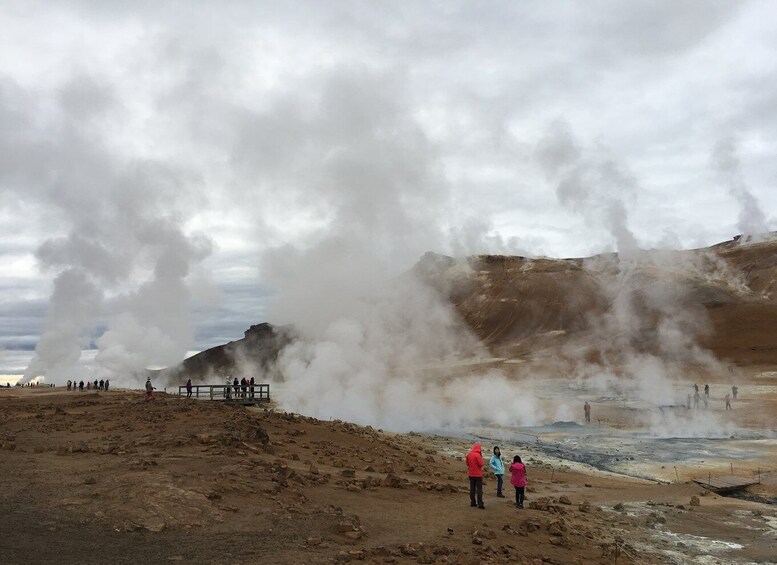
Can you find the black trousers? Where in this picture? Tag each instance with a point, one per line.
(519, 495)
(476, 487)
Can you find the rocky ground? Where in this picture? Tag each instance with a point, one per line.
(110, 478)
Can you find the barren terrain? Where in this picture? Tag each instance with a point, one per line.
(109, 478)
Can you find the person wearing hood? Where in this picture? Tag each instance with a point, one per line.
(475, 470)
(498, 466)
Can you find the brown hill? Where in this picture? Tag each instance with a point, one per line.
(721, 298)
(718, 299)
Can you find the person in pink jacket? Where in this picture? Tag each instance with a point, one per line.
(518, 479)
(475, 472)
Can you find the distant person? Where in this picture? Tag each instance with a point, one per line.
(88, 385)
(81, 386)
(695, 388)
(102, 384)
(587, 411)
(518, 479)
(728, 402)
(244, 386)
(696, 398)
(498, 466)
(227, 389)
(707, 391)
(252, 382)
(236, 386)
(149, 389)
(96, 383)
(68, 385)
(107, 384)
(734, 391)
(475, 471)
(189, 388)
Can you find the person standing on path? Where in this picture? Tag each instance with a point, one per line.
(587, 410)
(475, 470)
(149, 389)
(498, 467)
(189, 388)
(734, 391)
(518, 479)
(728, 402)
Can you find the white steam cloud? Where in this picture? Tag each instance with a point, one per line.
(752, 221)
(376, 346)
(647, 338)
(120, 273)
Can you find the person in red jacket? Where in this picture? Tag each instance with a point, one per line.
(475, 469)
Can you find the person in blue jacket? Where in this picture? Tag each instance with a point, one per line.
(498, 467)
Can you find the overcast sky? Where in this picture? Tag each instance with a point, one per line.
(160, 156)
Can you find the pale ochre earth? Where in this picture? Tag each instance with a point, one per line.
(109, 478)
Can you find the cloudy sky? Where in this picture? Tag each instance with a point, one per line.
(164, 167)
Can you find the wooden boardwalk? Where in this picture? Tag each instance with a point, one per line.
(727, 483)
(259, 392)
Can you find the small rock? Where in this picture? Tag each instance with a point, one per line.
(564, 500)
(695, 501)
(90, 481)
(392, 480)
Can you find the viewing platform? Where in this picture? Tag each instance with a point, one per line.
(250, 394)
(725, 484)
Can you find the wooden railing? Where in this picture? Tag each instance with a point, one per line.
(236, 393)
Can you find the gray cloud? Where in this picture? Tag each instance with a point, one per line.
(365, 134)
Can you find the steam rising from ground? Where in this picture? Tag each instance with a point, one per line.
(122, 270)
(370, 335)
(752, 221)
(333, 164)
(648, 337)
